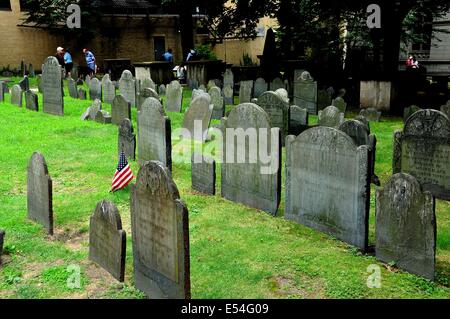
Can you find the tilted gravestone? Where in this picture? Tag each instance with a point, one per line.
(245, 91)
(405, 227)
(278, 111)
(103, 117)
(228, 95)
(72, 85)
(108, 90)
(217, 102)
(107, 239)
(276, 84)
(260, 87)
(198, 117)
(444, 109)
(323, 99)
(330, 116)
(39, 192)
(120, 109)
(371, 114)
(174, 97)
(247, 177)
(81, 94)
(31, 101)
(203, 174)
(2, 238)
(298, 120)
(144, 94)
(127, 139)
(160, 233)
(305, 92)
(95, 89)
(228, 78)
(127, 87)
(410, 110)
(340, 103)
(17, 95)
(52, 88)
(327, 184)
(154, 134)
(25, 84)
(423, 151)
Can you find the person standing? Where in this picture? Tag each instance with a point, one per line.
(60, 55)
(90, 61)
(68, 63)
(168, 56)
(191, 55)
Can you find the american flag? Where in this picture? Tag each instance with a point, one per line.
(123, 175)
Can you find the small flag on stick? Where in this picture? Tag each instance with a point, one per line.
(123, 175)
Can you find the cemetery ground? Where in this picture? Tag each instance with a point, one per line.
(235, 251)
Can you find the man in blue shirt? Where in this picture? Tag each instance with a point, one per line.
(90, 61)
(168, 56)
(68, 63)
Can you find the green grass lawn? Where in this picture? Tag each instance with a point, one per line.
(236, 251)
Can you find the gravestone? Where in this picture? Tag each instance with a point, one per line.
(444, 109)
(423, 151)
(276, 84)
(52, 87)
(217, 102)
(283, 94)
(127, 139)
(406, 226)
(193, 84)
(330, 116)
(91, 111)
(39, 192)
(371, 114)
(31, 71)
(298, 120)
(147, 83)
(327, 184)
(248, 178)
(2, 239)
(2, 91)
(323, 99)
(103, 117)
(162, 90)
(81, 94)
(202, 88)
(228, 95)
(108, 90)
(31, 101)
(127, 87)
(305, 92)
(228, 78)
(408, 111)
(160, 233)
(17, 95)
(120, 109)
(95, 89)
(25, 84)
(144, 94)
(260, 87)
(107, 239)
(203, 174)
(196, 93)
(174, 97)
(72, 85)
(245, 91)
(278, 111)
(87, 79)
(340, 104)
(154, 134)
(198, 117)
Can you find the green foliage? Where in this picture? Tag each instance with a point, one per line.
(204, 52)
(247, 60)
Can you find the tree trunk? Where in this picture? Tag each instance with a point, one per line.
(186, 27)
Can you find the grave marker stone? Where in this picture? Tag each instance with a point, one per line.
(2, 91)
(276, 84)
(31, 101)
(120, 109)
(199, 110)
(174, 97)
(103, 117)
(340, 104)
(52, 87)
(108, 89)
(16, 95)
(162, 90)
(245, 91)
(25, 84)
(203, 174)
(260, 87)
(228, 95)
(323, 99)
(298, 120)
(127, 139)
(277, 109)
(305, 92)
(95, 89)
(144, 94)
(408, 111)
(330, 116)
(228, 78)
(444, 109)
(81, 94)
(72, 85)
(127, 87)
(371, 114)
(217, 102)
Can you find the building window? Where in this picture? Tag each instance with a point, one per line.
(5, 5)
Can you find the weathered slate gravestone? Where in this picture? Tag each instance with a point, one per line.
(162, 90)
(120, 109)
(276, 84)
(17, 95)
(228, 95)
(25, 84)
(408, 111)
(260, 87)
(203, 174)
(330, 116)
(108, 90)
(247, 177)
(72, 85)
(147, 83)
(444, 109)
(127, 87)
(160, 233)
(406, 226)
(2, 238)
(198, 117)
(277, 109)
(154, 134)
(298, 120)
(423, 151)
(144, 94)
(340, 103)
(245, 91)
(305, 92)
(331, 194)
(39, 192)
(127, 139)
(217, 102)
(107, 239)
(95, 89)
(81, 94)
(323, 99)
(103, 117)
(196, 93)
(371, 114)
(228, 78)
(52, 87)
(174, 97)
(31, 101)
(2, 91)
